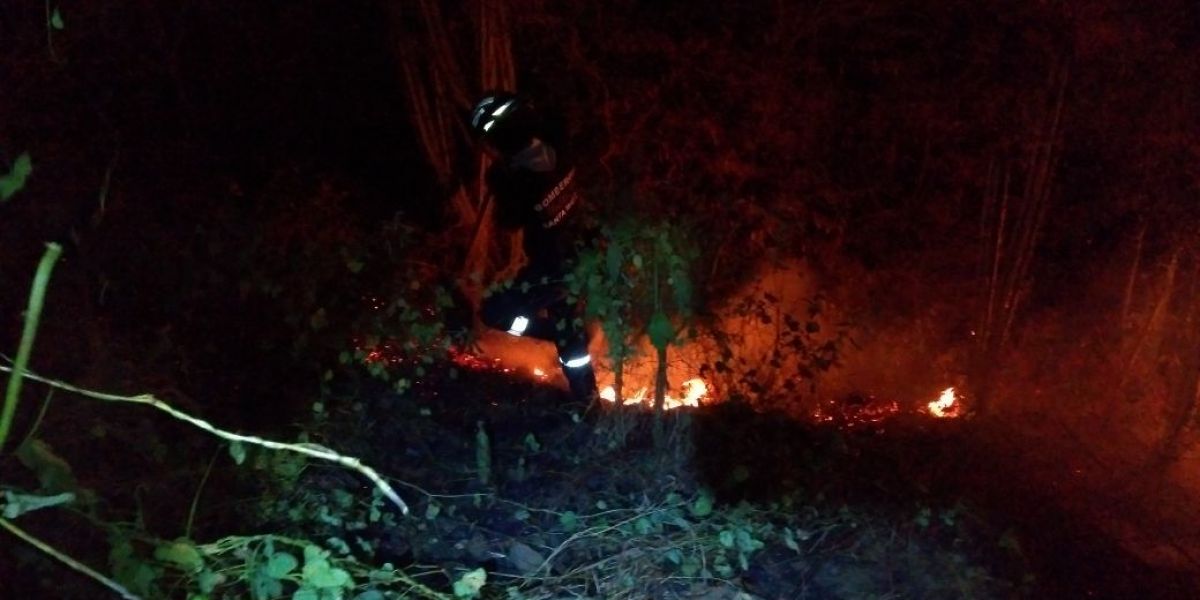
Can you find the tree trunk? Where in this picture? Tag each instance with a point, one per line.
(1016, 225)
(1131, 284)
(660, 395)
(439, 93)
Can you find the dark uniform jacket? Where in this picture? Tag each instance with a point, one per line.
(535, 191)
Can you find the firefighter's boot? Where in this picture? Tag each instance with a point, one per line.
(581, 377)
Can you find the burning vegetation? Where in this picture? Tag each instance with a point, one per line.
(947, 406)
(803, 220)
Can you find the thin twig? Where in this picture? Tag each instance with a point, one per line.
(1154, 322)
(997, 258)
(67, 560)
(432, 495)
(592, 532)
(191, 518)
(50, 32)
(106, 183)
(38, 421)
(1131, 284)
(313, 450)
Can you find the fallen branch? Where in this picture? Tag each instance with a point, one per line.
(67, 560)
(313, 450)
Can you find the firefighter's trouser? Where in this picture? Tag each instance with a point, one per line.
(537, 306)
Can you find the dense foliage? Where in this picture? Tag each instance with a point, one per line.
(252, 233)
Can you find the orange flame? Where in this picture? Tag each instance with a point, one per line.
(693, 390)
(946, 406)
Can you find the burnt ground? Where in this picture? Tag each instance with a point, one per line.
(584, 504)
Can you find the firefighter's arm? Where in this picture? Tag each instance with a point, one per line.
(505, 199)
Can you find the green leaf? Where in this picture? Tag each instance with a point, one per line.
(682, 286)
(265, 588)
(1009, 542)
(320, 574)
(746, 542)
(470, 583)
(140, 578)
(56, 20)
(702, 506)
(306, 594)
(789, 540)
(643, 526)
(569, 521)
(238, 451)
(314, 553)
(432, 511)
(923, 517)
(182, 554)
(725, 538)
(690, 567)
(722, 567)
(129, 569)
(53, 473)
(15, 179)
(531, 443)
(207, 581)
(613, 261)
(660, 330)
(370, 595)
(281, 564)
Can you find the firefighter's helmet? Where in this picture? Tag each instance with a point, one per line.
(504, 121)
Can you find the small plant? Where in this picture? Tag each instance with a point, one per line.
(143, 564)
(639, 282)
(794, 343)
(366, 302)
(13, 181)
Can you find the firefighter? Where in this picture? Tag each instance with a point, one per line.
(532, 184)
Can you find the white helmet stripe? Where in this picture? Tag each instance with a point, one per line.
(480, 109)
(519, 325)
(503, 108)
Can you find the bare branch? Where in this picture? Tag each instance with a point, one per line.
(313, 450)
(67, 560)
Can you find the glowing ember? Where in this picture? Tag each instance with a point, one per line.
(693, 391)
(539, 373)
(946, 406)
(473, 362)
(857, 410)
